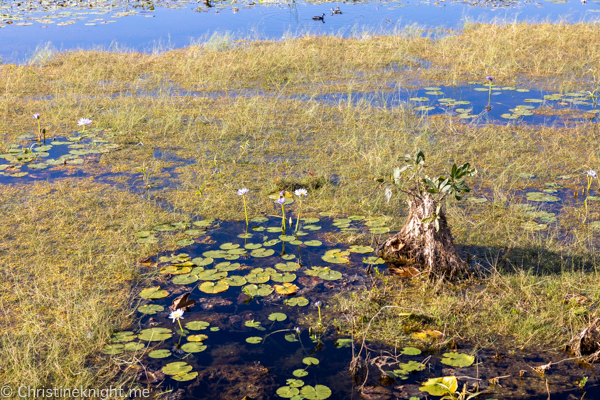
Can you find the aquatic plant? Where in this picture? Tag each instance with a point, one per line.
(84, 122)
(319, 304)
(281, 200)
(489, 79)
(425, 238)
(177, 315)
(300, 193)
(591, 175)
(242, 192)
(37, 117)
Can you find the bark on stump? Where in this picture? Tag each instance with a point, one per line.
(421, 245)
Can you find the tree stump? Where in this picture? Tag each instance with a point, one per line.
(421, 244)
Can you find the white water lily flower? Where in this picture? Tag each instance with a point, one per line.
(242, 191)
(84, 122)
(592, 173)
(176, 315)
(300, 192)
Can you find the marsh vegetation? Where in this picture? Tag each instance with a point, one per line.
(100, 240)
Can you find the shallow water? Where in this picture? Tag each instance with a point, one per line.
(119, 25)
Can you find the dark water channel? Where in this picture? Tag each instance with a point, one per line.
(251, 348)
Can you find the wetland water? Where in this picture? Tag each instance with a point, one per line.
(154, 27)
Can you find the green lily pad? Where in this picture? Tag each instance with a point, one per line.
(291, 337)
(258, 278)
(329, 275)
(204, 223)
(120, 337)
(299, 373)
(227, 266)
(287, 392)
(313, 243)
(184, 279)
(310, 361)
(287, 267)
(197, 325)
(193, 347)
(155, 334)
(150, 309)
(277, 317)
(458, 359)
(319, 392)
(271, 242)
(185, 242)
(373, 260)
(361, 249)
(197, 338)
(254, 324)
(134, 346)
(540, 196)
(229, 246)
(212, 275)
(282, 278)
(261, 290)
(260, 253)
(311, 227)
(297, 301)
(274, 229)
(215, 254)
(419, 99)
(185, 377)
(153, 293)
(235, 280)
(411, 351)
(259, 219)
(343, 343)
(214, 287)
(287, 238)
(113, 349)
(163, 353)
(254, 340)
(253, 246)
(176, 368)
(412, 366)
(295, 383)
(379, 230)
(440, 386)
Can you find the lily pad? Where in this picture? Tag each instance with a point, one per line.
(253, 246)
(319, 392)
(361, 249)
(412, 366)
(291, 337)
(287, 392)
(153, 293)
(214, 287)
(440, 386)
(197, 338)
(184, 279)
(299, 373)
(176, 368)
(193, 347)
(277, 317)
(343, 343)
(294, 383)
(261, 290)
(212, 275)
(261, 253)
(155, 334)
(185, 377)
(120, 337)
(134, 346)
(313, 243)
(254, 340)
(458, 359)
(297, 301)
(287, 267)
(285, 277)
(411, 351)
(235, 280)
(373, 260)
(163, 353)
(113, 349)
(227, 266)
(150, 309)
(286, 289)
(310, 361)
(329, 275)
(540, 196)
(197, 325)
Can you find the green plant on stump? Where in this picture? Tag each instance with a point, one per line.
(425, 238)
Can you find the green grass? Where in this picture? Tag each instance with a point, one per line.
(69, 255)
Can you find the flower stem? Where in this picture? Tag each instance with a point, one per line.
(299, 208)
(490, 94)
(320, 316)
(245, 210)
(180, 327)
(283, 218)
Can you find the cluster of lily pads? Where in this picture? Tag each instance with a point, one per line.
(571, 99)
(19, 160)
